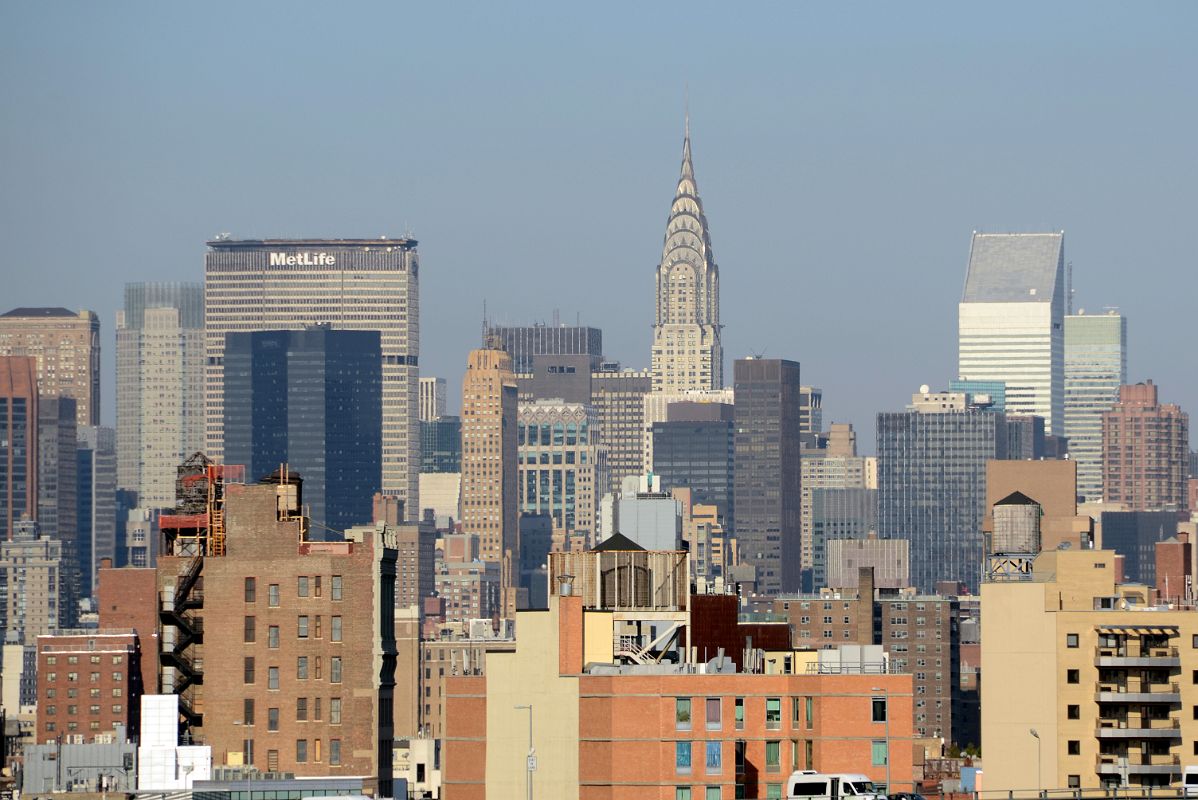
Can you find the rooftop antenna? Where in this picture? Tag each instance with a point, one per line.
(483, 338)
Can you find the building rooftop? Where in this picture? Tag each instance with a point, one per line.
(250, 244)
(617, 542)
(1016, 499)
(57, 311)
(1014, 267)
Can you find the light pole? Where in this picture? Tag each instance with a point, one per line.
(886, 706)
(1039, 777)
(531, 759)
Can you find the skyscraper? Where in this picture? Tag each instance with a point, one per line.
(311, 399)
(1095, 368)
(1011, 322)
(687, 353)
(352, 284)
(66, 345)
(524, 342)
(95, 472)
(932, 483)
(432, 398)
(441, 445)
(618, 397)
(18, 441)
(1145, 451)
(767, 480)
(694, 449)
(559, 466)
(159, 387)
(489, 462)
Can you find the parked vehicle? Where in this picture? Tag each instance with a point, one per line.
(811, 785)
(1189, 782)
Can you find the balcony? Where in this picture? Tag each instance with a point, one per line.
(1138, 729)
(1141, 693)
(1139, 764)
(1162, 657)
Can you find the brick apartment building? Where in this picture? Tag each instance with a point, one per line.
(127, 598)
(88, 682)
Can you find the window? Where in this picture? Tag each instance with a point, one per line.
(1075, 712)
(740, 713)
(272, 595)
(714, 762)
(272, 636)
(251, 590)
(335, 669)
(773, 791)
(95, 677)
(301, 586)
(809, 705)
(1072, 676)
(316, 712)
(317, 632)
(713, 713)
(317, 670)
(773, 755)
(301, 709)
(808, 754)
(879, 709)
(682, 713)
(301, 751)
(272, 760)
(712, 793)
(773, 713)
(877, 754)
(272, 677)
(334, 751)
(336, 588)
(1075, 747)
(51, 660)
(316, 586)
(250, 632)
(682, 757)
(335, 711)
(1071, 640)
(117, 708)
(272, 719)
(301, 627)
(682, 793)
(248, 675)
(1075, 781)
(335, 629)
(301, 668)
(116, 676)
(247, 711)
(316, 750)
(740, 756)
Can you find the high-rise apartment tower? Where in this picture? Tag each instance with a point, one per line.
(18, 441)
(66, 345)
(1095, 368)
(1145, 451)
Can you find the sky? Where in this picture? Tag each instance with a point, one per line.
(844, 153)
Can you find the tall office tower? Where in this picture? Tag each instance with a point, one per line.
(1145, 451)
(694, 449)
(353, 284)
(95, 471)
(687, 353)
(33, 570)
(559, 464)
(312, 399)
(657, 406)
(159, 387)
(523, 342)
(441, 445)
(932, 483)
(489, 463)
(66, 345)
(1095, 368)
(432, 399)
(811, 403)
(839, 469)
(767, 482)
(58, 492)
(1012, 322)
(618, 397)
(18, 441)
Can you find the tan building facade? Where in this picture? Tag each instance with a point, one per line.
(66, 345)
(1145, 451)
(1102, 676)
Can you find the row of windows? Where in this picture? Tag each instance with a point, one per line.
(305, 667)
(305, 627)
(72, 677)
(802, 712)
(305, 586)
(301, 712)
(92, 709)
(52, 693)
(52, 660)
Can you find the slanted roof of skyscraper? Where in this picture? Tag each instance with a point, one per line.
(616, 542)
(1014, 267)
(40, 312)
(1017, 499)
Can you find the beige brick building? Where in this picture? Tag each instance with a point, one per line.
(66, 345)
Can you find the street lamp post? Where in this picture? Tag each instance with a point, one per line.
(886, 700)
(530, 759)
(1039, 766)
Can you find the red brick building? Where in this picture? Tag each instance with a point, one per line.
(88, 682)
(127, 598)
(1145, 451)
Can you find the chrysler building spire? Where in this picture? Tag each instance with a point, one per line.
(687, 353)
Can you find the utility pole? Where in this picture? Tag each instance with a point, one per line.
(531, 759)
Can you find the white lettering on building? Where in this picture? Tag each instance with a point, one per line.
(302, 260)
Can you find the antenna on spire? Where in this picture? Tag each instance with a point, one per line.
(485, 330)
(687, 108)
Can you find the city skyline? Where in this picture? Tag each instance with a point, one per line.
(803, 189)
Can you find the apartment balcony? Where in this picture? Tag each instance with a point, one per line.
(1139, 764)
(1138, 729)
(1138, 693)
(1162, 657)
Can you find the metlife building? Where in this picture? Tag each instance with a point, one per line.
(349, 284)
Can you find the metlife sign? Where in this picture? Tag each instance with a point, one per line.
(305, 259)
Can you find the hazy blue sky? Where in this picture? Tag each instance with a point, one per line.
(844, 154)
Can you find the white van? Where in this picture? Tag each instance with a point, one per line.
(811, 785)
(1189, 782)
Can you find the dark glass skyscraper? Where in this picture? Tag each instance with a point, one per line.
(768, 471)
(694, 449)
(311, 398)
(441, 444)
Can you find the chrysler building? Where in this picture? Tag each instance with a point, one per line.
(686, 332)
